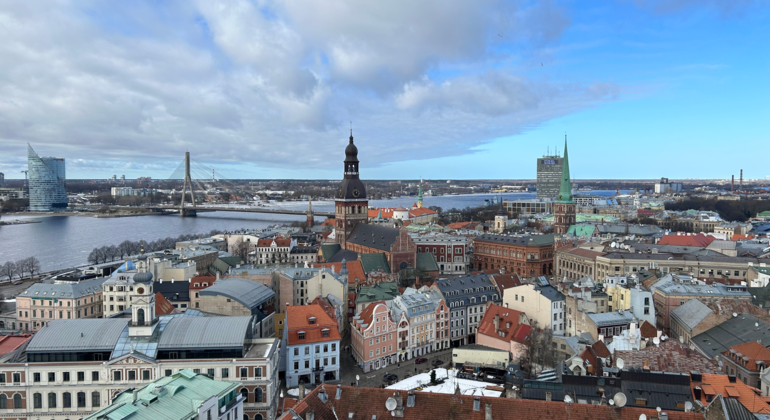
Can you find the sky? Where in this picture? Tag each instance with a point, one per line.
(434, 89)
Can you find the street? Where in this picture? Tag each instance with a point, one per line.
(349, 369)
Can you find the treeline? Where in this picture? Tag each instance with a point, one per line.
(468, 214)
(20, 268)
(126, 248)
(738, 211)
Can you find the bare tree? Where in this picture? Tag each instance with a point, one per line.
(540, 353)
(8, 270)
(21, 267)
(33, 266)
(124, 248)
(93, 257)
(241, 249)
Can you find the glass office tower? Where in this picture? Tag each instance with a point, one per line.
(46, 182)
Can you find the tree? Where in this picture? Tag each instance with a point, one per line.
(33, 266)
(241, 249)
(433, 377)
(8, 270)
(21, 267)
(93, 257)
(539, 354)
(124, 248)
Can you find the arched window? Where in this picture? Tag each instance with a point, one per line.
(258, 394)
(245, 393)
(81, 399)
(258, 417)
(66, 400)
(37, 399)
(140, 316)
(51, 400)
(17, 401)
(96, 399)
(3, 401)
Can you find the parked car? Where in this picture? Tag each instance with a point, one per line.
(390, 377)
(437, 363)
(421, 360)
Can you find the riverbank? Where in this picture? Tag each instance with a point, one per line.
(17, 222)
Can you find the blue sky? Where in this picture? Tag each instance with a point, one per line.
(438, 89)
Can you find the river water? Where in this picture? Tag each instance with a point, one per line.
(66, 241)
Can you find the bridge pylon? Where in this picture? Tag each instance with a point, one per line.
(189, 211)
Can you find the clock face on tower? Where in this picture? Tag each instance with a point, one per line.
(356, 193)
(140, 290)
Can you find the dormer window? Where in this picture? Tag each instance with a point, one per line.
(301, 335)
(311, 320)
(325, 332)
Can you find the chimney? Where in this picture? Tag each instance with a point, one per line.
(548, 396)
(696, 392)
(497, 322)
(339, 392)
(301, 391)
(646, 365)
(487, 411)
(133, 398)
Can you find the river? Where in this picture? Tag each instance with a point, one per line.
(66, 241)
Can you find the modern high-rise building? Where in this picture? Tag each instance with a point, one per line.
(46, 182)
(2, 180)
(549, 176)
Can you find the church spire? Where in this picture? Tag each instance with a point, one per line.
(419, 195)
(565, 192)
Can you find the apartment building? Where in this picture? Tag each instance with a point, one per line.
(541, 302)
(312, 342)
(450, 251)
(42, 303)
(524, 255)
(373, 337)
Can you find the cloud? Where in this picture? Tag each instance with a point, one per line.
(274, 82)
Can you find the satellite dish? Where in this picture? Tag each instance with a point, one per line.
(612, 402)
(687, 406)
(613, 245)
(642, 417)
(735, 315)
(658, 410)
(620, 363)
(390, 404)
(656, 341)
(568, 399)
(620, 399)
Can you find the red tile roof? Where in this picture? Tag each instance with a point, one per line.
(737, 237)
(461, 225)
(648, 330)
(9, 343)
(368, 403)
(298, 319)
(601, 349)
(421, 212)
(506, 281)
(163, 306)
(355, 270)
(669, 356)
(712, 385)
(328, 222)
(209, 280)
(700, 240)
(508, 325)
(387, 213)
(280, 242)
(753, 350)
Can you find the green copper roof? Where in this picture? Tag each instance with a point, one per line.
(426, 262)
(381, 291)
(581, 230)
(565, 192)
(169, 398)
(374, 262)
(764, 214)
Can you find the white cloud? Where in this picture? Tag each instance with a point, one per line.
(273, 82)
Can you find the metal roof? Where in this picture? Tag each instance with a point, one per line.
(691, 313)
(611, 318)
(461, 289)
(205, 332)
(373, 236)
(70, 335)
(248, 293)
(736, 330)
(530, 240)
(64, 290)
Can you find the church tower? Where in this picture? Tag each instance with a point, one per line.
(419, 196)
(501, 219)
(351, 206)
(143, 317)
(564, 208)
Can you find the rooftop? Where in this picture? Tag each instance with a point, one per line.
(713, 385)
(736, 330)
(530, 240)
(380, 291)
(669, 356)
(64, 290)
(310, 322)
(248, 293)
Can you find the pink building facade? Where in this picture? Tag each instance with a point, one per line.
(373, 337)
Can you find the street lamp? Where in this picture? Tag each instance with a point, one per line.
(357, 379)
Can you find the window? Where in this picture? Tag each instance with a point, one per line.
(146, 375)
(307, 350)
(210, 372)
(17, 378)
(66, 400)
(244, 372)
(36, 377)
(296, 365)
(51, 400)
(334, 360)
(116, 375)
(258, 394)
(301, 335)
(51, 377)
(225, 372)
(81, 376)
(3, 401)
(131, 375)
(16, 400)
(258, 372)
(296, 351)
(96, 399)
(95, 375)
(325, 333)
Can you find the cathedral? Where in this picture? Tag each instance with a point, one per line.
(350, 204)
